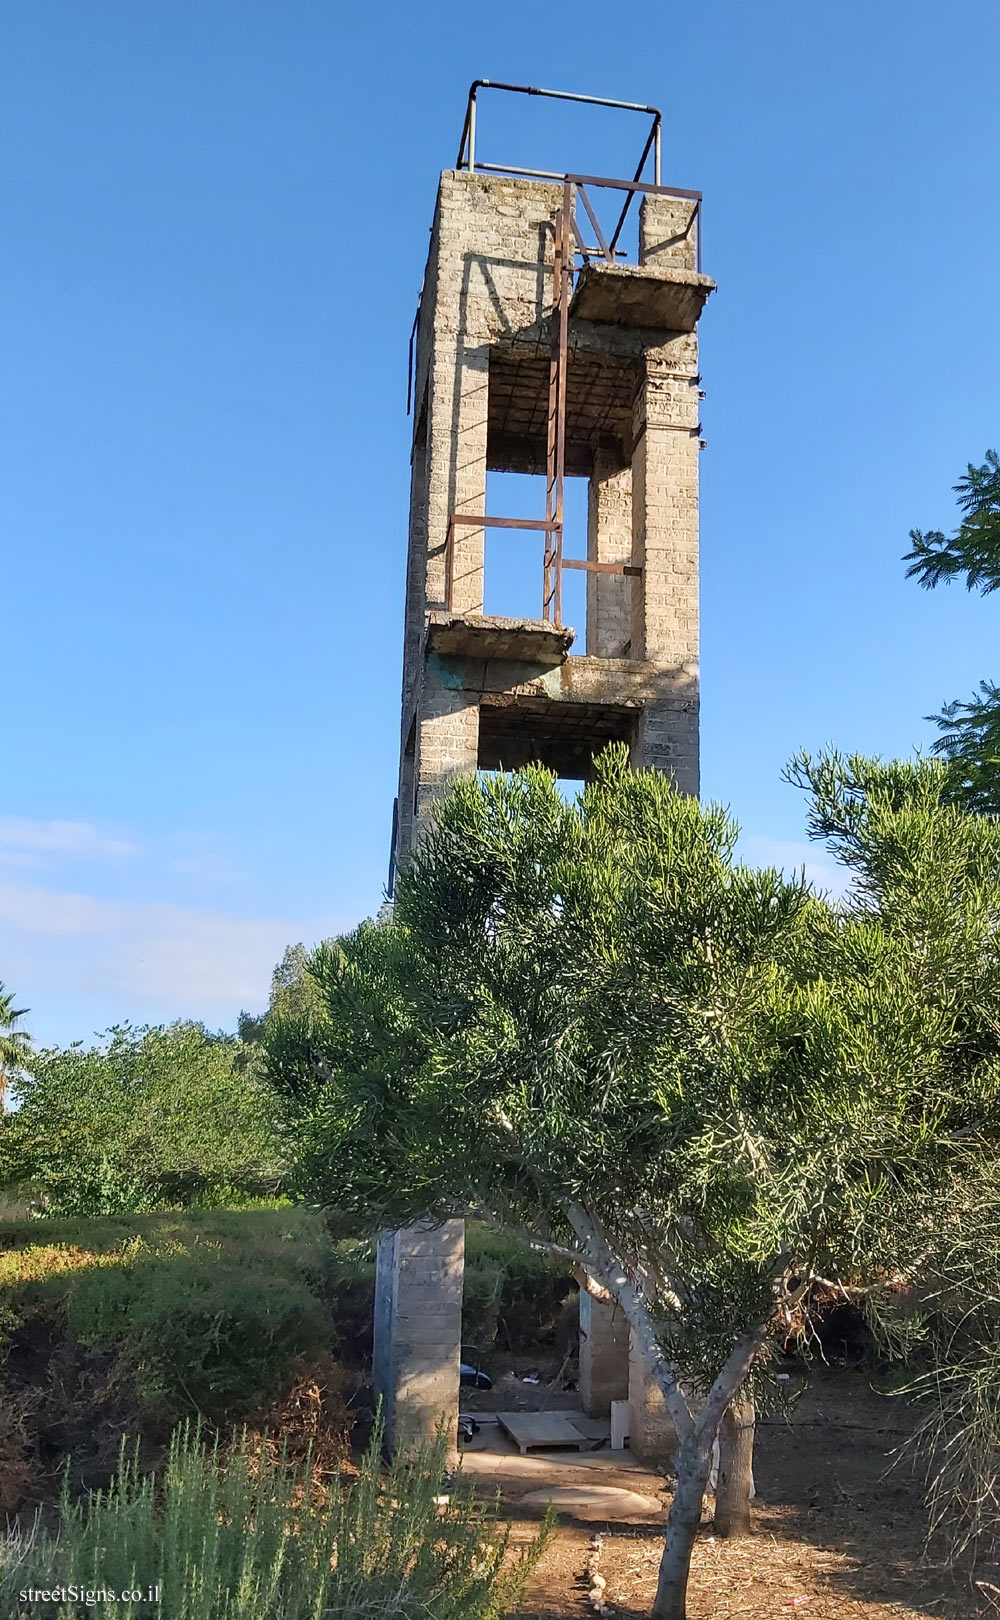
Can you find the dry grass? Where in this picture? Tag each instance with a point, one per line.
(839, 1532)
(773, 1574)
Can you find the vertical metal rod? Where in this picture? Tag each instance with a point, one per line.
(565, 262)
(548, 553)
(409, 364)
(460, 160)
(656, 151)
(449, 567)
(472, 131)
(393, 840)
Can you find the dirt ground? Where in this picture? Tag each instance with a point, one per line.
(839, 1524)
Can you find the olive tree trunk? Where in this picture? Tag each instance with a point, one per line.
(735, 1482)
(692, 1462)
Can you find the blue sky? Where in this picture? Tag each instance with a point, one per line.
(214, 216)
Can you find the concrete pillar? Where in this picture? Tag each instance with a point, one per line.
(604, 1340)
(459, 410)
(665, 547)
(416, 581)
(652, 1436)
(665, 506)
(609, 539)
(666, 734)
(447, 742)
(668, 232)
(418, 1330)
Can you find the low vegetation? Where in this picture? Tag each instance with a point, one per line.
(147, 1119)
(240, 1534)
(704, 1085)
(127, 1324)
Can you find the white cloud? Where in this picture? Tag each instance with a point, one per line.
(148, 960)
(25, 842)
(790, 856)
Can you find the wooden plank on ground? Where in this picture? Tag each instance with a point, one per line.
(528, 1429)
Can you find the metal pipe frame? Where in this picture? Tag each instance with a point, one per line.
(552, 525)
(567, 243)
(467, 145)
(471, 520)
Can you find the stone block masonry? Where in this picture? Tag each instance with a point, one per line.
(487, 693)
(418, 1330)
(604, 1365)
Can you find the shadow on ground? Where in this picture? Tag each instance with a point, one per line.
(839, 1525)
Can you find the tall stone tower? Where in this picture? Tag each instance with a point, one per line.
(540, 349)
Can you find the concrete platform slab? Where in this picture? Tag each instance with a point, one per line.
(595, 1502)
(530, 1430)
(478, 635)
(639, 295)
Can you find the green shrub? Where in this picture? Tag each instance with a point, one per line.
(240, 1537)
(513, 1295)
(115, 1324)
(148, 1118)
(209, 1310)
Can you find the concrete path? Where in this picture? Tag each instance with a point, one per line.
(594, 1486)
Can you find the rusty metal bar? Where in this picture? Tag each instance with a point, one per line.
(449, 566)
(475, 521)
(618, 185)
(548, 552)
(588, 180)
(585, 252)
(608, 252)
(653, 135)
(555, 449)
(510, 168)
(560, 313)
(410, 357)
(601, 567)
(460, 161)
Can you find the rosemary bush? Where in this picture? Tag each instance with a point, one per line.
(236, 1536)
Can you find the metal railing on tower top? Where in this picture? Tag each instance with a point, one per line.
(569, 245)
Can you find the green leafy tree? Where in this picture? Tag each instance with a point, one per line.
(15, 1044)
(149, 1118)
(291, 993)
(932, 878)
(970, 730)
(700, 1084)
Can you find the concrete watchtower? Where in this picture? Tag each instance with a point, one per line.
(539, 349)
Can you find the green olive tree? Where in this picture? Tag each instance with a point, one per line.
(589, 1025)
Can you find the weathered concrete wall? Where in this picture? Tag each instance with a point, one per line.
(632, 429)
(604, 1340)
(485, 280)
(652, 1435)
(668, 232)
(632, 425)
(418, 1331)
(609, 540)
(447, 739)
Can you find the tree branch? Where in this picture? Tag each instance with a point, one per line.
(610, 1271)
